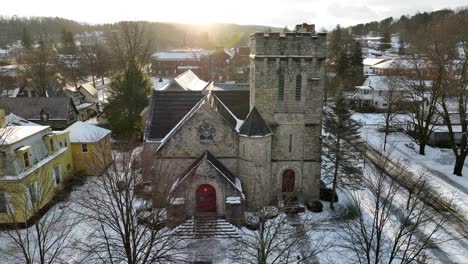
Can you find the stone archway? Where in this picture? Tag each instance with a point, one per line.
(205, 199)
(288, 180)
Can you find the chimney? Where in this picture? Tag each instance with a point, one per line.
(304, 27)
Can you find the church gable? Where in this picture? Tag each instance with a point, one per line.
(207, 169)
(203, 129)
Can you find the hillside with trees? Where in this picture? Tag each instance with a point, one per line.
(167, 35)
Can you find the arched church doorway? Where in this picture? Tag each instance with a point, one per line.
(288, 181)
(206, 199)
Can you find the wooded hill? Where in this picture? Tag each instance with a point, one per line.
(406, 25)
(166, 35)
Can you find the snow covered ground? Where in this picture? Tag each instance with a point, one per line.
(437, 164)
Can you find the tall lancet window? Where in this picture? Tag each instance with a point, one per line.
(298, 87)
(280, 86)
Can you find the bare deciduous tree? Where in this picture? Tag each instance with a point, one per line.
(275, 237)
(125, 227)
(35, 235)
(390, 226)
(131, 41)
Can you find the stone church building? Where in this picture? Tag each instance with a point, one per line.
(227, 150)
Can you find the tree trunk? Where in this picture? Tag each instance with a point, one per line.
(385, 139)
(335, 180)
(422, 148)
(459, 162)
(94, 81)
(102, 80)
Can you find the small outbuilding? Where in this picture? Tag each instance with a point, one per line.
(91, 148)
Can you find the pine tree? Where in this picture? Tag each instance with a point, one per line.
(386, 41)
(342, 64)
(129, 92)
(356, 74)
(343, 136)
(26, 40)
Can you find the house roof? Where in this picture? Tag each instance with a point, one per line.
(89, 88)
(177, 55)
(168, 108)
(254, 125)
(13, 134)
(81, 132)
(372, 61)
(15, 120)
(31, 107)
(189, 81)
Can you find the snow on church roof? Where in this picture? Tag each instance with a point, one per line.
(81, 132)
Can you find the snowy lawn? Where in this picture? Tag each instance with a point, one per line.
(436, 164)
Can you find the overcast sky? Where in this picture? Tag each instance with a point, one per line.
(262, 12)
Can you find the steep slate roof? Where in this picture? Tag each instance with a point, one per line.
(31, 107)
(231, 179)
(210, 99)
(169, 107)
(254, 125)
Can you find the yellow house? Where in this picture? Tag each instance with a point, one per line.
(91, 148)
(34, 164)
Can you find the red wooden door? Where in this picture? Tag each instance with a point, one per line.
(206, 198)
(288, 181)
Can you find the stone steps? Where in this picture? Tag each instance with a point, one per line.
(206, 227)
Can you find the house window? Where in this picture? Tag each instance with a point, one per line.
(66, 144)
(51, 145)
(3, 203)
(298, 87)
(26, 159)
(56, 175)
(290, 142)
(84, 147)
(61, 145)
(281, 86)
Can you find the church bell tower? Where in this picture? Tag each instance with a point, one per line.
(287, 77)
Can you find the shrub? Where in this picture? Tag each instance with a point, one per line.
(315, 206)
(326, 194)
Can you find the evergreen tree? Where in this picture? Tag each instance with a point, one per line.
(343, 137)
(128, 96)
(356, 64)
(26, 40)
(68, 42)
(342, 64)
(401, 48)
(386, 41)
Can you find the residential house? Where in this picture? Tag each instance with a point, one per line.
(374, 91)
(85, 99)
(369, 63)
(56, 112)
(91, 148)
(35, 162)
(174, 62)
